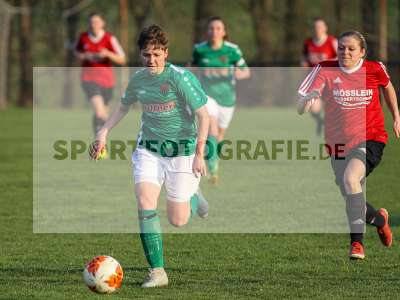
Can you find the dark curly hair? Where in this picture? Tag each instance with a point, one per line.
(153, 36)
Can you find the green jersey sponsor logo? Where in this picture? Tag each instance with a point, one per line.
(169, 101)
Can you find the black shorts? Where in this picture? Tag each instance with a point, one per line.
(92, 89)
(370, 153)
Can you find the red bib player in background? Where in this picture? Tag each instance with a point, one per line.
(354, 128)
(317, 48)
(98, 49)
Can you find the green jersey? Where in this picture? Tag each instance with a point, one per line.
(217, 70)
(169, 101)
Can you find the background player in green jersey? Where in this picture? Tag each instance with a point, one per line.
(221, 64)
(170, 146)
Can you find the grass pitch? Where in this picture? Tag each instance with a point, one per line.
(200, 266)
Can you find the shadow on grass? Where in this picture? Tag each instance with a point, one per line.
(394, 220)
(28, 271)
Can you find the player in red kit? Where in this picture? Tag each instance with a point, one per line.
(317, 48)
(98, 49)
(354, 128)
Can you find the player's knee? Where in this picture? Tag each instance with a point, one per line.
(351, 183)
(101, 114)
(178, 221)
(145, 202)
(221, 136)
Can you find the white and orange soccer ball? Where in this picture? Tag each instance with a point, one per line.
(103, 274)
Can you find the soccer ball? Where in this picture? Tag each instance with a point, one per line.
(103, 274)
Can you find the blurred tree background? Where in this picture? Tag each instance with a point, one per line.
(270, 32)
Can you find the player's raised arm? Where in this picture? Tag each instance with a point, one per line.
(391, 101)
(199, 166)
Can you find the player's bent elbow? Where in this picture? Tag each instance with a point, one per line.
(300, 108)
(389, 86)
(122, 60)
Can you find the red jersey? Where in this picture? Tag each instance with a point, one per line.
(315, 53)
(99, 71)
(353, 113)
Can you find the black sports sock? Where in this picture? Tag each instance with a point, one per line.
(356, 237)
(355, 209)
(373, 218)
(319, 120)
(317, 116)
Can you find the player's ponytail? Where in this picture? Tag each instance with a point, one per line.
(358, 36)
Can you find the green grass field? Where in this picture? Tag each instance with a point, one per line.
(200, 266)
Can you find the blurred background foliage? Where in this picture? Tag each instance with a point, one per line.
(269, 32)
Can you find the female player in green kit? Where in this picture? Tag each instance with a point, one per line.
(220, 64)
(170, 145)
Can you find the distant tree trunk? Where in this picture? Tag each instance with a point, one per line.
(398, 28)
(203, 11)
(124, 38)
(340, 8)
(295, 32)
(25, 56)
(11, 60)
(5, 46)
(260, 12)
(123, 24)
(159, 12)
(295, 29)
(72, 26)
(370, 26)
(383, 51)
(140, 11)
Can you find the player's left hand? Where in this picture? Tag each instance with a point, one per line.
(199, 166)
(396, 128)
(104, 53)
(96, 149)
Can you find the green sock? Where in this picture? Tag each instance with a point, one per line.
(151, 237)
(194, 202)
(212, 156)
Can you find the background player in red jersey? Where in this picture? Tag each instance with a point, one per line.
(317, 48)
(354, 120)
(98, 50)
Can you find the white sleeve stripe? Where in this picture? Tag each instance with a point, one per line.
(117, 47)
(308, 77)
(240, 62)
(309, 80)
(384, 70)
